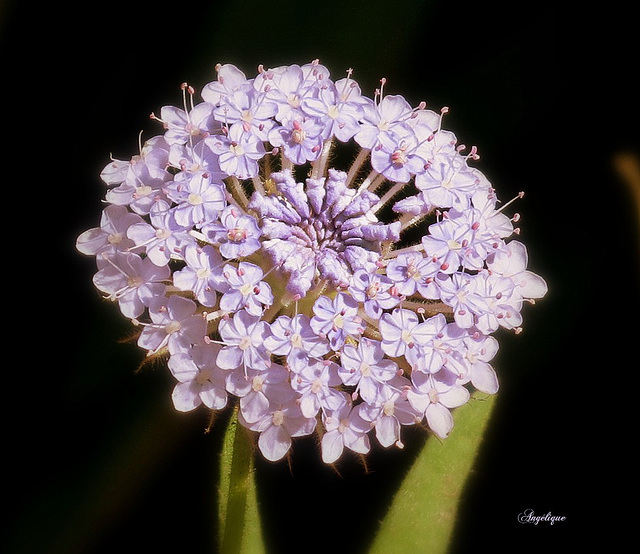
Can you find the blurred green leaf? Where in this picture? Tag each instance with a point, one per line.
(423, 512)
(239, 520)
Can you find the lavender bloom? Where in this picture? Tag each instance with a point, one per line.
(300, 138)
(243, 336)
(238, 151)
(336, 319)
(236, 234)
(202, 275)
(162, 238)
(200, 380)
(374, 291)
(296, 340)
(345, 428)
(198, 199)
(111, 235)
(434, 396)
(390, 411)
(174, 325)
(350, 300)
(316, 383)
(245, 289)
(366, 368)
(130, 280)
(282, 421)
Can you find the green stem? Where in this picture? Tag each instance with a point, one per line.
(239, 521)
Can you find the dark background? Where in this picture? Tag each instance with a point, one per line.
(96, 460)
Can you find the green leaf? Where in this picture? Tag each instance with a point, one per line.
(238, 517)
(423, 513)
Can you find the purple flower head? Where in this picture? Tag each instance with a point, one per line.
(327, 261)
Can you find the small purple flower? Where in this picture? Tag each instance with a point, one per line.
(245, 289)
(111, 235)
(336, 319)
(344, 428)
(434, 396)
(162, 238)
(366, 368)
(248, 110)
(390, 411)
(230, 79)
(396, 156)
(315, 383)
(236, 234)
(198, 199)
(174, 324)
(254, 388)
(512, 262)
(380, 118)
(202, 274)
(401, 331)
(282, 421)
(244, 336)
(183, 126)
(140, 181)
(339, 107)
(461, 292)
(374, 291)
(200, 380)
(238, 151)
(300, 137)
(435, 344)
(448, 182)
(131, 281)
(413, 273)
(294, 338)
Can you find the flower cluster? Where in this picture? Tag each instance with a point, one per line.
(344, 302)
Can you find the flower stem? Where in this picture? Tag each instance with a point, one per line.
(239, 521)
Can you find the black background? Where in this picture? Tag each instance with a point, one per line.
(96, 459)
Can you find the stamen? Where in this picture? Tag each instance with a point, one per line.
(517, 197)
